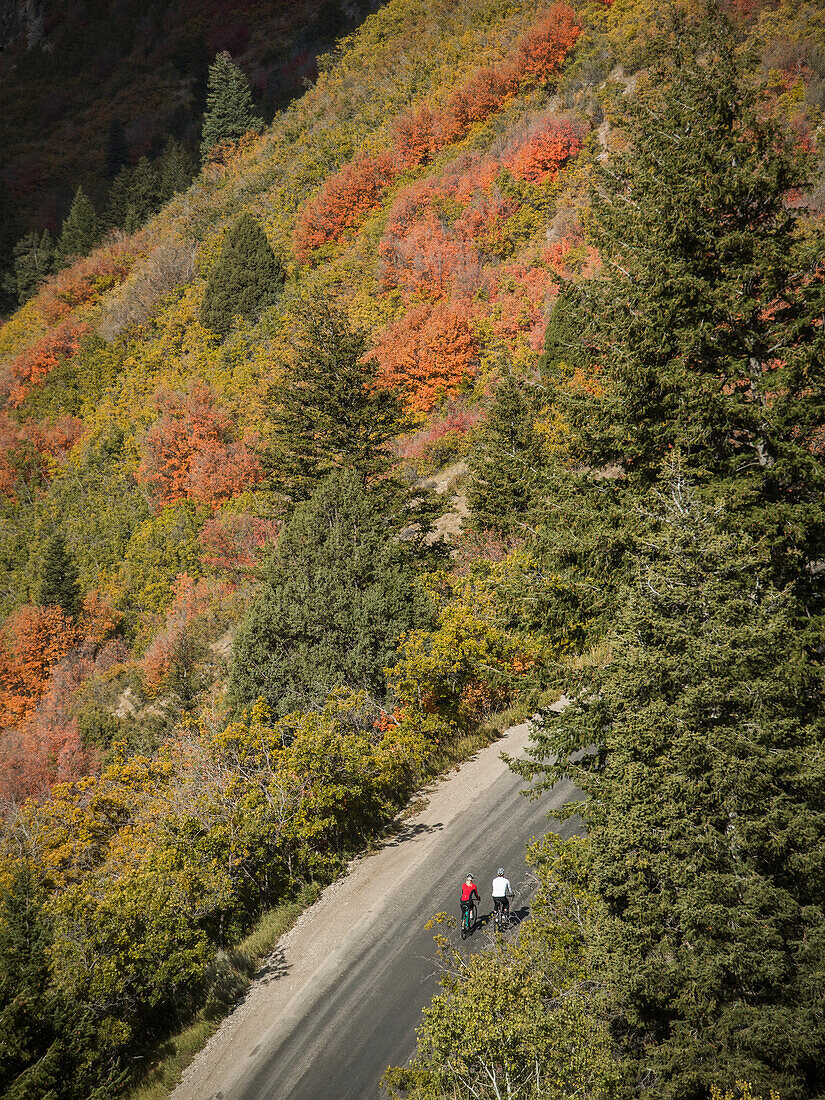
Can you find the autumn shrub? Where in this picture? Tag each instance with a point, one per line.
(546, 151)
(446, 439)
(32, 366)
(85, 281)
(544, 48)
(168, 267)
(30, 451)
(342, 202)
(191, 451)
(430, 354)
(175, 652)
(466, 666)
(47, 746)
(32, 640)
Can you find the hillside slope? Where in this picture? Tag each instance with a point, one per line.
(173, 494)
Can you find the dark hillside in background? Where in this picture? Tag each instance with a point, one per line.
(88, 86)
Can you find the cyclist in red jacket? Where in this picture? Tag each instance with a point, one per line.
(469, 894)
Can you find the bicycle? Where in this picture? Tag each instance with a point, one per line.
(468, 920)
(501, 917)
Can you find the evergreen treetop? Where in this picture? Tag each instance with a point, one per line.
(230, 112)
(80, 230)
(58, 580)
(702, 333)
(331, 412)
(340, 589)
(506, 463)
(246, 278)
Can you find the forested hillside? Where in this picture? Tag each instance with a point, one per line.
(569, 259)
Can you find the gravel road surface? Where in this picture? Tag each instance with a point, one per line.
(341, 997)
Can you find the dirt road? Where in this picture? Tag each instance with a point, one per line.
(341, 997)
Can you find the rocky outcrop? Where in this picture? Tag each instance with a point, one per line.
(21, 20)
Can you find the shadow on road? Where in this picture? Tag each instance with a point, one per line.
(484, 921)
(409, 832)
(274, 968)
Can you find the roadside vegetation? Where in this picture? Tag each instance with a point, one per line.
(574, 253)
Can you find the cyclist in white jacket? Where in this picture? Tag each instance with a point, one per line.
(502, 892)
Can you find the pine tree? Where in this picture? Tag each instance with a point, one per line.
(330, 413)
(506, 464)
(706, 813)
(80, 230)
(134, 196)
(57, 581)
(702, 334)
(339, 591)
(245, 280)
(177, 167)
(33, 263)
(230, 112)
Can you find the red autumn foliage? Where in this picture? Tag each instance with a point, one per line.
(429, 354)
(417, 136)
(84, 282)
(46, 747)
(233, 542)
(444, 439)
(477, 546)
(483, 94)
(32, 640)
(543, 154)
(25, 449)
(343, 201)
(348, 195)
(31, 366)
(191, 452)
(544, 48)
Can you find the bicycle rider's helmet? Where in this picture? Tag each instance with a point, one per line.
(469, 879)
(500, 871)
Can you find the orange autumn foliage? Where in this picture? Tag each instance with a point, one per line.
(31, 366)
(27, 448)
(544, 48)
(46, 747)
(191, 452)
(32, 640)
(349, 194)
(430, 354)
(234, 543)
(343, 201)
(542, 155)
(192, 598)
(84, 282)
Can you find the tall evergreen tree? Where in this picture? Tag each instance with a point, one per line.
(339, 591)
(230, 112)
(706, 813)
(506, 464)
(80, 230)
(33, 259)
(330, 413)
(177, 167)
(57, 581)
(703, 332)
(246, 279)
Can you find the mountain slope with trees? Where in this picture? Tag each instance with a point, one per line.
(580, 248)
